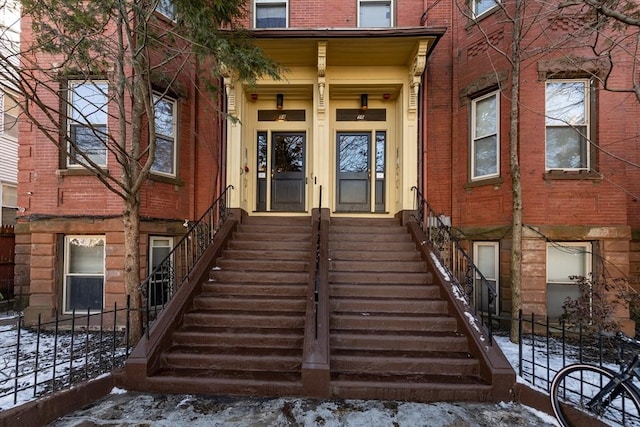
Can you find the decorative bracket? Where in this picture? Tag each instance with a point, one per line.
(229, 88)
(322, 69)
(418, 64)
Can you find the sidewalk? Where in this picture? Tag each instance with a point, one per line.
(121, 408)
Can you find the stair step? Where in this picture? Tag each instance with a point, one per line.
(368, 321)
(389, 278)
(249, 304)
(370, 246)
(344, 340)
(383, 256)
(384, 290)
(390, 306)
(256, 289)
(233, 320)
(275, 228)
(270, 245)
(271, 254)
(369, 237)
(276, 220)
(258, 277)
(262, 264)
(395, 364)
(366, 229)
(365, 222)
(238, 338)
(275, 362)
(377, 266)
(282, 237)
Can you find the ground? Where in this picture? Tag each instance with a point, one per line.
(126, 409)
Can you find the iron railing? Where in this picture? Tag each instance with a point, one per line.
(165, 279)
(316, 291)
(50, 356)
(469, 283)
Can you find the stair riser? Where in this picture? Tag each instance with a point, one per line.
(387, 323)
(371, 246)
(405, 366)
(394, 343)
(391, 306)
(214, 288)
(249, 305)
(384, 291)
(365, 237)
(212, 361)
(413, 392)
(258, 237)
(274, 229)
(231, 321)
(374, 230)
(262, 265)
(289, 255)
(378, 266)
(222, 276)
(383, 256)
(269, 245)
(239, 341)
(380, 277)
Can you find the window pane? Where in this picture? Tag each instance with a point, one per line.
(354, 153)
(486, 260)
(566, 261)
(380, 150)
(566, 148)
(262, 152)
(375, 14)
(486, 118)
(84, 293)
(164, 122)
(166, 8)
(164, 156)
(91, 141)
(481, 6)
(89, 102)
(565, 103)
(271, 15)
(86, 255)
(485, 157)
(9, 196)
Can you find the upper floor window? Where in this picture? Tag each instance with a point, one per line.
(567, 125)
(165, 127)
(166, 8)
(485, 141)
(87, 122)
(8, 115)
(271, 13)
(375, 13)
(479, 7)
(564, 261)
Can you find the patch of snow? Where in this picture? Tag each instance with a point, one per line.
(117, 390)
(440, 268)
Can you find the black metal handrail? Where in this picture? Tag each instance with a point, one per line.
(479, 294)
(165, 279)
(316, 292)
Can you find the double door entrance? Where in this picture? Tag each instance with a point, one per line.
(360, 171)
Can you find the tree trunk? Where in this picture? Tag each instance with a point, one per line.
(514, 166)
(131, 224)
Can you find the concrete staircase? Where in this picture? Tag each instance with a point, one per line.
(391, 333)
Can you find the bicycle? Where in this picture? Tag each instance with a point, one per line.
(598, 391)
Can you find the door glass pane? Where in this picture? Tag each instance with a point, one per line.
(262, 152)
(353, 153)
(487, 261)
(288, 153)
(381, 138)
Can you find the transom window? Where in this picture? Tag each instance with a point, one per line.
(564, 260)
(567, 125)
(375, 13)
(165, 127)
(479, 7)
(485, 141)
(87, 122)
(271, 13)
(83, 273)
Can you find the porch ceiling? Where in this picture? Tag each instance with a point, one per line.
(346, 47)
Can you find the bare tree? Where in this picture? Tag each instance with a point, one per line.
(116, 52)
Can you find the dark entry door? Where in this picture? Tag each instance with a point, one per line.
(353, 178)
(287, 171)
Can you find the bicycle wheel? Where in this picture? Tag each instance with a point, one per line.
(577, 386)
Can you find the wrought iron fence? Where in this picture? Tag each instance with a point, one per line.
(164, 280)
(54, 355)
(470, 284)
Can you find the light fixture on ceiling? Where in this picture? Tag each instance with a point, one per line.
(279, 101)
(364, 102)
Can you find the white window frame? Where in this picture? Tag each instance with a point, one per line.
(493, 278)
(473, 4)
(67, 274)
(4, 200)
(95, 112)
(475, 137)
(391, 9)
(582, 249)
(167, 9)
(256, 4)
(164, 138)
(554, 122)
(153, 243)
